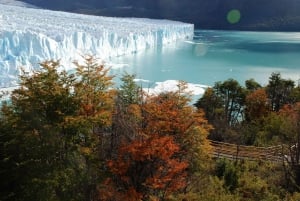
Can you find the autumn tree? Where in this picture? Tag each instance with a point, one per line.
(169, 125)
(170, 114)
(52, 133)
(257, 105)
(38, 149)
(291, 113)
(93, 90)
(147, 169)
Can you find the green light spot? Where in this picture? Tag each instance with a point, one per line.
(233, 16)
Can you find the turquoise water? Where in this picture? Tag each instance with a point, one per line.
(216, 56)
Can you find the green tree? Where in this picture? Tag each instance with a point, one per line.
(224, 101)
(127, 112)
(271, 131)
(38, 149)
(129, 92)
(227, 170)
(252, 85)
(279, 91)
(211, 104)
(52, 133)
(233, 97)
(224, 107)
(93, 90)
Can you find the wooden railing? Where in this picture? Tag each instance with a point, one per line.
(237, 152)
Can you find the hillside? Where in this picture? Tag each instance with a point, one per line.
(267, 15)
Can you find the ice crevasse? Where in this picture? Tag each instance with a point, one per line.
(29, 36)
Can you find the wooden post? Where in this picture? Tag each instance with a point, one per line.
(237, 152)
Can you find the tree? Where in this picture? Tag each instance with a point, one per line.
(170, 126)
(37, 149)
(279, 91)
(224, 101)
(228, 171)
(127, 112)
(256, 108)
(252, 85)
(170, 114)
(211, 104)
(233, 96)
(224, 107)
(146, 168)
(129, 92)
(93, 90)
(291, 126)
(256, 104)
(52, 133)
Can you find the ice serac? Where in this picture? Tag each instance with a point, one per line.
(29, 36)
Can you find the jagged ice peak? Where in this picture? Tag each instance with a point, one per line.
(29, 36)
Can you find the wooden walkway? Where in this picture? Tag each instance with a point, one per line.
(238, 152)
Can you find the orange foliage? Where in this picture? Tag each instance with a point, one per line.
(147, 166)
(134, 111)
(168, 115)
(170, 136)
(256, 104)
(87, 110)
(110, 193)
(291, 111)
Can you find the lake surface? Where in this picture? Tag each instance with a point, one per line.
(217, 56)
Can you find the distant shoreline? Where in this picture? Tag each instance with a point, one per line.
(253, 15)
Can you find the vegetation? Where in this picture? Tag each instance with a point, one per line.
(74, 137)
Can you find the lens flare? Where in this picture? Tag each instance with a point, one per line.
(200, 50)
(233, 16)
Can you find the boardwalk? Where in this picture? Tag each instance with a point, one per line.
(236, 152)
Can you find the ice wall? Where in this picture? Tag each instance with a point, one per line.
(29, 36)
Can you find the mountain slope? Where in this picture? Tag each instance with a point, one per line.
(205, 14)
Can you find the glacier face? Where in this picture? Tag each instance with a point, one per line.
(29, 36)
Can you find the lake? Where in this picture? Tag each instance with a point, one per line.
(216, 56)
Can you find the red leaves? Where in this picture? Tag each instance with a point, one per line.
(171, 180)
(149, 164)
(153, 162)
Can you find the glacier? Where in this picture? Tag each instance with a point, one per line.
(29, 36)
(172, 86)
